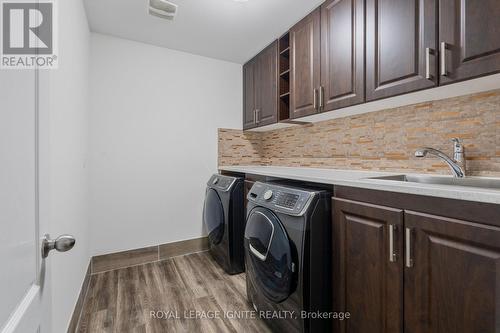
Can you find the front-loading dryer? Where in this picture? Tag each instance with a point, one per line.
(224, 219)
(288, 256)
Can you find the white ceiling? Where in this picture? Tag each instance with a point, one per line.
(221, 29)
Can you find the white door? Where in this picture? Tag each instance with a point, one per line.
(24, 287)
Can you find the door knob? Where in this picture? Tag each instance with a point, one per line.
(62, 243)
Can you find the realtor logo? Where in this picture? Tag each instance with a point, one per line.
(28, 34)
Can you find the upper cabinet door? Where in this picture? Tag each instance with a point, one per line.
(249, 94)
(305, 40)
(401, 53)
(342, 53)
(469, 39)
(266, 91)
(452, 275)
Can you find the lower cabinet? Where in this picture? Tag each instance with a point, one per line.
(399, 270)
(452, 275)
(368, 277)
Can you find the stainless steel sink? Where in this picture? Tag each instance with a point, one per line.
(486, 183)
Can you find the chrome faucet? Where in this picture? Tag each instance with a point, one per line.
(457, 164)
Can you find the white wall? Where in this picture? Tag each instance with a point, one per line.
(67, 145)
(153, 140)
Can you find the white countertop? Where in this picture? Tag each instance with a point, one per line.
(355, 178)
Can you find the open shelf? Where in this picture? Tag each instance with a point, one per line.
(284, 65)
(285, 52)
(284, 78)
(285, 72)
(284, 108)
(284, 42)
(284, 86)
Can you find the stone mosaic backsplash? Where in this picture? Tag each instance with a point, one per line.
(384, 140)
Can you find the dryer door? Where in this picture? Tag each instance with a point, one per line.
(269, 255)
(213, 216)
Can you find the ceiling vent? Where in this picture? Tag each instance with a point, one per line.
(162, 8)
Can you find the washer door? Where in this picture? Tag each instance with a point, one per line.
(269, 254)
(213, 216)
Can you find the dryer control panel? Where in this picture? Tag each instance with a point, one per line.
(289, 200)
(221, 182)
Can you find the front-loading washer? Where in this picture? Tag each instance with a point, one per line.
(288, 256)
(224, 219)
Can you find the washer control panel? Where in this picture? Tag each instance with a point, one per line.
(287, 200)
(221, 182)
(292, 201)
(268, 195)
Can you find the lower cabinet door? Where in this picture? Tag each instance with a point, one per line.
(368, 267)
(452, 275)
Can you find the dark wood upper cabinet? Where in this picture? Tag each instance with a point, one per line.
(305, 48)
(267, 86)
(454, 281)
(260, 88)
(469, 39)
(401, 44)
(249, 94)
(348, 52)
(342, 53)
(368, 277)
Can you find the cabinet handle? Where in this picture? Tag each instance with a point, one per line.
(257, 116)
(428, 52)
(321, 97)
(254, 117)
(392, 253)
(444, 46)
(315, 102)
(409, 260)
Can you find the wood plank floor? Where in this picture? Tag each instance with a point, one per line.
(123, 300)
